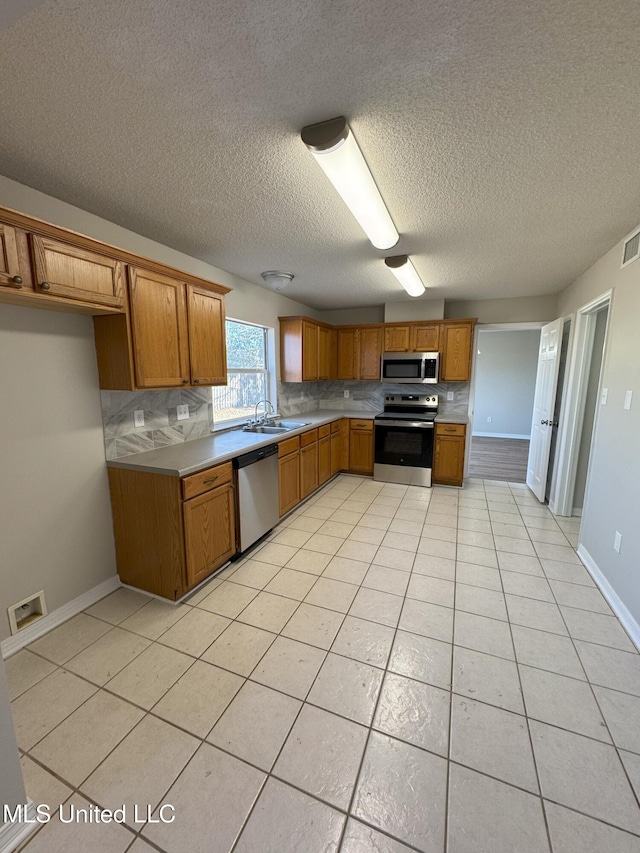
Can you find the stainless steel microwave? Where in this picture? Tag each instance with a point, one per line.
(419, 368)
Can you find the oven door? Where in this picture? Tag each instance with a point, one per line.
(403, 452)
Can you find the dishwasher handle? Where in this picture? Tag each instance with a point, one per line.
(256, 455)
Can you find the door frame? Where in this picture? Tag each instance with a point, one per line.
(573, 403)
(488, 327)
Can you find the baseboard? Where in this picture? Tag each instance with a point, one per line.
(37, 629)
(475, 434)
(12, 835)
(615, 602)
(576, 511)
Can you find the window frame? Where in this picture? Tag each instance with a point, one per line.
(269, 371)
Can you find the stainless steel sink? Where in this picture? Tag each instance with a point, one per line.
(275, 427)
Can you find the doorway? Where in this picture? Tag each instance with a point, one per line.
(583, 395)
(506, 358)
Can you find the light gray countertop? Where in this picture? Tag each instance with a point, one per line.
(452, 419)
(178, 460)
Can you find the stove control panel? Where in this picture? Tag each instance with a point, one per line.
(419, 400)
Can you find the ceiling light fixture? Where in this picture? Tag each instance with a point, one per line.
(405, 272)
(277, 279)
(334, 147)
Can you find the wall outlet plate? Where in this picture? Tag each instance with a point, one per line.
(450, 395)
(603, 396)
(138, 418)
(346, 393)
(183, 412)
(617, 542)
(628, 397)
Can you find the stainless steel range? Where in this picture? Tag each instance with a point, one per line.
(403, 435)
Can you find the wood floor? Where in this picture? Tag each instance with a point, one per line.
(499, 458)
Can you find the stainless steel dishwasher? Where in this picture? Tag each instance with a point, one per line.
(257, 493)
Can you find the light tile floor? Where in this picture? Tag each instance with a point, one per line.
(394, 669)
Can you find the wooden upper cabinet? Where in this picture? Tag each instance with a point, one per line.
(426, 338)
(324, 352)
(455, 346)
(370, 352)
(207, 347)
(74, 273)
(348, 354)
(397, 338)
(11, 273)
(159, 329)
(309, 351)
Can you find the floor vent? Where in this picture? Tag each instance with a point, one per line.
(27, 611)
(631, 248)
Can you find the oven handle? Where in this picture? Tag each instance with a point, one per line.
(412, 424)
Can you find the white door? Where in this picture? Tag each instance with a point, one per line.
(543, 405)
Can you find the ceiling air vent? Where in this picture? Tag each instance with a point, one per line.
(631, 248)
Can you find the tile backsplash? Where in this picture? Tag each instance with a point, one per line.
(162, 427)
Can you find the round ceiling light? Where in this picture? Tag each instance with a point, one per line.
(277, 279)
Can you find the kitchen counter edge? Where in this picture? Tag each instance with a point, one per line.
(189, 457)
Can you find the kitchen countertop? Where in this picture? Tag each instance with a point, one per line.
(178, 460)
(452, 419)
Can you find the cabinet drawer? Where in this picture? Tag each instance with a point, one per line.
(289, 445)
(361, 424)
(203, 481)
(450, 429)
(308, 437)
(335, 426)
(324, 431)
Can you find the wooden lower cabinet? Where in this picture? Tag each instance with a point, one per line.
(308, 463)
(171, 533)
(361, 446)
(288, 474)
(448, 454)
(324, 454)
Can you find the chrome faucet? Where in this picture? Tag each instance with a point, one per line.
(265, 415)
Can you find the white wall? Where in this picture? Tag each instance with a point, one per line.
(521, 309)
(505, 381)
(612, 498)
(11, 785)
(55, 523)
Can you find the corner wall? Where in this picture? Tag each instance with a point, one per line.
(613, 490)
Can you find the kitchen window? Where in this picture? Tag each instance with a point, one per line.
(250, 376)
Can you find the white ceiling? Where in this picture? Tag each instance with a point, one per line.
(503, 136)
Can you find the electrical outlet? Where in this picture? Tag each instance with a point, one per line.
(489, 419)
(628, 397)
(617, 542)
(183, 412)
(450, 395)
(138, 418)
(346, 393)
(603, 396)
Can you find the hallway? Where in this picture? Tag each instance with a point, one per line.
(503, 458)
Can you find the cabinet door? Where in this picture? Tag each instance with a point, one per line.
(159, 326)
(289, 481)
(348, 354)
(336, 452)
(309, 351)
(64, 270)
(308, 470)
(455, 344)
(324, 353)
(207, 348)
(426, 338)
(333, 354)
(10, 272)
(361, 451)
(397, 338)
(209, 529)
(324, 460)
(448, 460)
(370, 353)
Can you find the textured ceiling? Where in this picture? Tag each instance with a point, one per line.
(503, 136)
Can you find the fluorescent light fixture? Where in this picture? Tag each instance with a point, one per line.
(405, 272)
(277, 279)
(333, 145)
